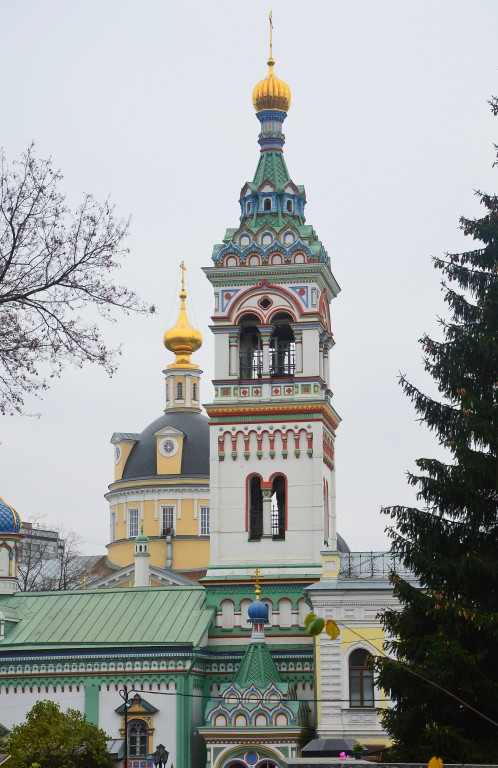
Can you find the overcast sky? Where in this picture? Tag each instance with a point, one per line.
(149, 102)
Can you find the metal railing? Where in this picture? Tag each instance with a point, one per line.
(370, 565)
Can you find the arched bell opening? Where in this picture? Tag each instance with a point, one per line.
(250, 348)
(282, 346)
(254, 507)
(278, 507)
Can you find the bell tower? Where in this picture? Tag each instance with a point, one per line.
(272, 423)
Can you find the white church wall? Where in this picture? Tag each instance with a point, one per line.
(15, 703)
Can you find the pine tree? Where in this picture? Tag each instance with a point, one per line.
(443, 675)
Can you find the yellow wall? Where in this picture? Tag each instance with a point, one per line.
(188, 554)
(186, 523)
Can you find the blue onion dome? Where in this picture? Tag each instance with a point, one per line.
(10, 522)
(258, 611)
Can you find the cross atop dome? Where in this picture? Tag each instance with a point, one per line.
(183, 339)
(271, 98)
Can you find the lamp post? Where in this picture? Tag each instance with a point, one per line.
(160, 756)
(124, 695)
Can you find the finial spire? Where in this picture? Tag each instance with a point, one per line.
(257, 588)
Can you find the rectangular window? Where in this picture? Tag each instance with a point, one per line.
(167, 520)
(113, 526)
(204, 521)
(132, 523)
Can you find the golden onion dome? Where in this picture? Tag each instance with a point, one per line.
(183, 339)
(271, 93)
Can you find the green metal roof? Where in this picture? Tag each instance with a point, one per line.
(272, 166)
(257, 668)
(106, 617)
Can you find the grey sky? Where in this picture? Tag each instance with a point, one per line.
(150, 102)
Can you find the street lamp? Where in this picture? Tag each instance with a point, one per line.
(160, 756)
(124, 693)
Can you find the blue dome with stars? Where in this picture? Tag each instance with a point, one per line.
(257, 611)
(10, 522)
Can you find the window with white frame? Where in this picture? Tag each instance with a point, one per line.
(113, 526)
(167, 520)
(204, 521)
(361, 685)
(132, 523)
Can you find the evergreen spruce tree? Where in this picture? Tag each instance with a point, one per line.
(443, 674)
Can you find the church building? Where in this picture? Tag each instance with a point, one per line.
(202, 507)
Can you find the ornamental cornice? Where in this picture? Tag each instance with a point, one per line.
(154, 493)
(318, 271)
(253, 412)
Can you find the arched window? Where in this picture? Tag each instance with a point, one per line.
(248, 207)
(285, 611)
(251, 350)
(179, 391)
(255, 508)
(290, 207)
(267, 239)
(361, 689)
(278, 507)
(282, 346)
(267, 204)
(227, 614)
(194, 391)
(137, 738)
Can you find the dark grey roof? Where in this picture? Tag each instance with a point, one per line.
(341, 544)
(195, 456)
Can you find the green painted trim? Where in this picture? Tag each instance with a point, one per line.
(92, 701)
(184, 722)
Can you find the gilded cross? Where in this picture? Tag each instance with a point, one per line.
(271, 34)
(183, 268)
(257, 588)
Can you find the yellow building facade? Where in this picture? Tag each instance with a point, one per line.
(161, 475)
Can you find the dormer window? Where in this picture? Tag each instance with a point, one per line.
(267, 204)
(290, 206)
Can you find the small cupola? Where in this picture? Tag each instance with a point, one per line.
(142, 555)
(183, 376)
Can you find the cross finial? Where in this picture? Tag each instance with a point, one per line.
(271, 34)
(183, 268)
(257, 588)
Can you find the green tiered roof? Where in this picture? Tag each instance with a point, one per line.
(257, 668)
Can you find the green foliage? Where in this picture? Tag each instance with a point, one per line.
(446, 634)
(53, 739)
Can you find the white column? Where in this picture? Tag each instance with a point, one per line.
(188, 392)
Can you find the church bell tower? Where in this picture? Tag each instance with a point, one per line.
(272, 423)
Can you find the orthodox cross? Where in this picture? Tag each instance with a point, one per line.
(183, 268)
(257, 588)
(271, 34)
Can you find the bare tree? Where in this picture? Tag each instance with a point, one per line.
(54, 263)
(52, 560)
